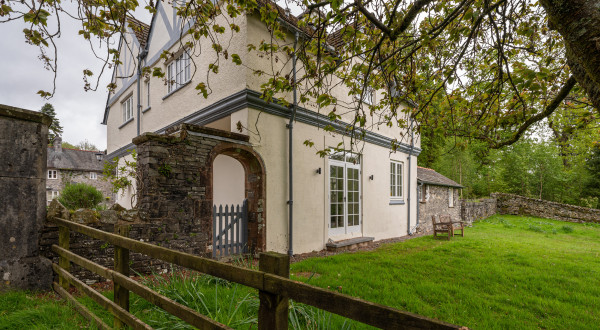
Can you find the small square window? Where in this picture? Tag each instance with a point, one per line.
(93, 176)
(52, 174)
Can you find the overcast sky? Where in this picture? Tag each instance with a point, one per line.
(23, 74)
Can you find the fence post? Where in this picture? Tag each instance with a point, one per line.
(273, 309)
(64, 263)
(121, 266)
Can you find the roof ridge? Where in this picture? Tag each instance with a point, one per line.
(77, 149)
(426, 168)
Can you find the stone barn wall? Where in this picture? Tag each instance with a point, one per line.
(435, 201)
(23, 141)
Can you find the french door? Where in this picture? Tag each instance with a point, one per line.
(344, 197)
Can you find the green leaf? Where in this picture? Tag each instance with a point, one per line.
(236, 59)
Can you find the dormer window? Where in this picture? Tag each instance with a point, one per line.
(178, 72)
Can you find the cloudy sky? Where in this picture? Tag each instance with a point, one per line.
(23, 74)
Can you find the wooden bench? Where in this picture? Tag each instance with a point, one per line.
(446, 225)
(442, 226)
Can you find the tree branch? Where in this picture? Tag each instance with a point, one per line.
(562, 94)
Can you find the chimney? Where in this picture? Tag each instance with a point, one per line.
(57, 143)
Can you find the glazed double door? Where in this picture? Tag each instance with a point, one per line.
(344, 198)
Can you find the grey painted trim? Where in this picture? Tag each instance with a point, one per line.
(125, 87)
(397, 202)
(251, 99)
(125, 123)
(177, 89)
(167, 45)
(147, 109)
(319, 120)
(163, 14)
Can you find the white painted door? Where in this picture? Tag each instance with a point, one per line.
(344, 197)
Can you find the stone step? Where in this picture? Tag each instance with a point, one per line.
(349, 244)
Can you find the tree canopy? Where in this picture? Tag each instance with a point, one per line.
(55, 129)
(483, 69)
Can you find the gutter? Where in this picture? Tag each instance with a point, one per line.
(290, 127)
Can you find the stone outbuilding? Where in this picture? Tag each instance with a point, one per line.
(437, 195)
(65, 166)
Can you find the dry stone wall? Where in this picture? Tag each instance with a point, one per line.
(477, 210)
(519, 205)
(187, 238)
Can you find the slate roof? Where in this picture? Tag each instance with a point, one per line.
(72, 159)
(141, 30)
(429, 176)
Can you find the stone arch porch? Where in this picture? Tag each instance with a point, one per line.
(175, 181)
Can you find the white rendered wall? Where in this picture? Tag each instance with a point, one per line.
(228, 181)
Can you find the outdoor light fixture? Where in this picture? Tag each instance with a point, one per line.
(318, 170)
(99, 156)
(371, 177)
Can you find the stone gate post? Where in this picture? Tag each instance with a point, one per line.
(23, 151)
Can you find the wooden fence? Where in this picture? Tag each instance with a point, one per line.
(275, 288)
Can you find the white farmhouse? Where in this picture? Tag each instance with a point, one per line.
(357, 196)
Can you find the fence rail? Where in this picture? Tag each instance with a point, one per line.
(275, 288)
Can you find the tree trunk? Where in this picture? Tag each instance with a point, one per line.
(578, 21)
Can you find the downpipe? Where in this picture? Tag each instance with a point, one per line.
(290, 127)
(408, 198)
(141, 56)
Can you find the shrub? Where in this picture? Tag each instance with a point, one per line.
(80, 195)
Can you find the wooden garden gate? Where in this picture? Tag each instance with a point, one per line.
(230, 230)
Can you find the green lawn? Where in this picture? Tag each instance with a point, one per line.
(507, 272)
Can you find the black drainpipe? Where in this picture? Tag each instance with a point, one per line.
(290, 127)
(140, 57)
(412, 146)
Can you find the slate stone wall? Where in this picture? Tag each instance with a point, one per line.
(519, 205)
(434, 201)
(23, 140)
(477, 210)
(187, 238)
